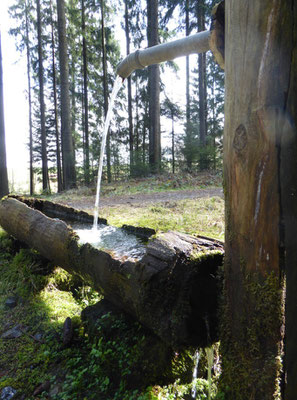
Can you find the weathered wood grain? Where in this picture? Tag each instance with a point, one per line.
(261, 198)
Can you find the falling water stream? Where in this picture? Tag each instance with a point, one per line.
(121, 243)
(195, 373)
(210, 356)
(209, 351)
(116, 87)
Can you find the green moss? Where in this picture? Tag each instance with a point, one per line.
(201, 256)
(251, 350)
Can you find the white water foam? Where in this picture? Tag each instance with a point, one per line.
(116, 240)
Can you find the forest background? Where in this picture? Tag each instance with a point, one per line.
(71, 51)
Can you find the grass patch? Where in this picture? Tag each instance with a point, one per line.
(163, 183)
(203, 216)
(158, 183)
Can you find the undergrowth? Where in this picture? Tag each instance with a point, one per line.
(93, 366)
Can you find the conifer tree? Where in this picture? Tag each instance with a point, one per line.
(45, 176)
(69, 174)
(154, 90)
(3, 165)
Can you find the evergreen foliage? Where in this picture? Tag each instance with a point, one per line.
(128, 143)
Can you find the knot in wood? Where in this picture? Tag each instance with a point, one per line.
(240, 138)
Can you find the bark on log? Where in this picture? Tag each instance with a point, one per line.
(172, 290)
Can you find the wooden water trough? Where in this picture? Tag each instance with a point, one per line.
(172, 289)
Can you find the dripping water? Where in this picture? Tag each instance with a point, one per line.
(116, 87)
(195, 373)
(210, 357)
(209, 351)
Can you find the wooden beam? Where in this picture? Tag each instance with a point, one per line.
(260, 182)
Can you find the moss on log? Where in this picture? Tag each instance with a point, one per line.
(172, 289)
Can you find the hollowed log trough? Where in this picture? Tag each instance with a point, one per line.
(173, 289)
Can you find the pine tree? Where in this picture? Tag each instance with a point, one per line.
(172, 111)
(28, 55)
(85, 97)
(55, 104)
(45, 176)
(105, 87)
(129, 88)
(154, 90)
(68, 161)
(3, 166)
(202, 80)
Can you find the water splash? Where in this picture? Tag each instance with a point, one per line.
(116, 87)
(121, 243)
(195, 373)
(209, 351)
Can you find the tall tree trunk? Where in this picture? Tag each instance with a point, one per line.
(29, 101)
(58, 151)
(73, 98)
(154, 90)
(188, 130)
(137, 150)
(105, 89)
(3, 165)
(202, 85)
(260, 172)
(213, 133)
(144, 127)
(130, 116)
(172, 143)
(69, 175)
(86, 102)
(45, 178)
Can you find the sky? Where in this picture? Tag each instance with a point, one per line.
(16, 106)
(15, 110)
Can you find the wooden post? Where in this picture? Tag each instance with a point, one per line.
(260, 172)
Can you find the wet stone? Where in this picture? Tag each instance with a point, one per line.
(43, 387)
(55, 390)
(11, 302)
(67, 331)
(38, 336)
(12, 333)
(7, 393)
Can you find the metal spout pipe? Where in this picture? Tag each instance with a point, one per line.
(194, 44)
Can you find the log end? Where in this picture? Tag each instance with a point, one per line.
(217, 33)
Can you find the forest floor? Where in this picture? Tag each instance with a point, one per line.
(162, 188)
(86, 203)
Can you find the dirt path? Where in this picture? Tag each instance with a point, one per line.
(87, 203)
